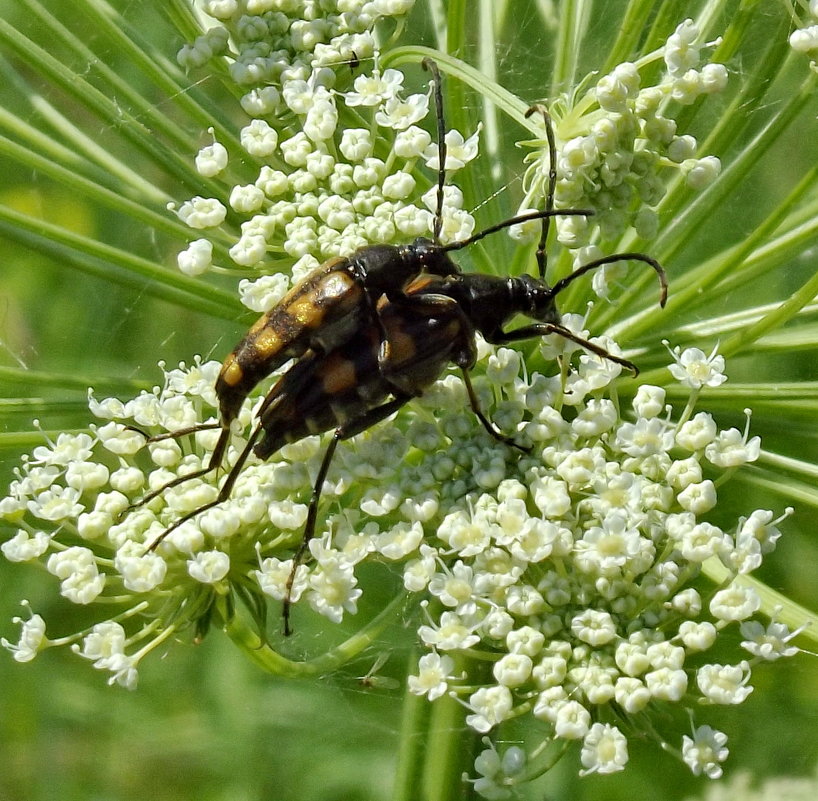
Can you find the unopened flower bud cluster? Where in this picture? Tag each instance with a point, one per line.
(618, 143)
(334, 165)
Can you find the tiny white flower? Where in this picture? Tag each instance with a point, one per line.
(211, 159)
(259, 138)
(273, 575)
(261, 101)
(731, 448)
(450, 634)
(604, 750)
(32, 639)
(681, 49)
(697, 636)
(666, 684)
(371, 90)
(525, 640)
(141, 572)
(399, 185)
(735, 603)
(459, 151)
(399, 541)
(57, 503)
(197, 258)
(631, 694)
(696, 370)
(573, 721)
(724, 684)
(209, 567)
(594, 627)
(23, 547)
(697, 433)
(705, 751)
(490, 707)
(334, 590)
(202, 212)
(355, 144)
(434, 673)
(699, 174)
(401, 114)
(411, 143)
(768, 643)
(649, 401)
(804, 40)
(699, 497)
(296, 149)
(513, 670)
(264, 293)
(246, 199)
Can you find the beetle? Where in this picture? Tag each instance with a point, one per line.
(382, 367)
(331, 303)
(365, 365)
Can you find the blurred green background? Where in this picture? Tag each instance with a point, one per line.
(206, 724)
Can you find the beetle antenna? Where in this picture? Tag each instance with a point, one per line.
(592, 265)
(542, 254)
(430, 65)
(521, 218)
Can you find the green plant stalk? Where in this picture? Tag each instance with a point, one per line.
(96, 258)
(162, 73)
(268, 659)
(131, 127)
(72, 381)
(573, 16)
(773, 604)
(633, 23)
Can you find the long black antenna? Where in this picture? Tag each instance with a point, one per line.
(531, 215)
(592, 265)
(430, 65)
(542, 254)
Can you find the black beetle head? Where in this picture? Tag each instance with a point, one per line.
(537, 299)
(430, 257)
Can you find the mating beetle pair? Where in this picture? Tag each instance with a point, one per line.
(373, 330)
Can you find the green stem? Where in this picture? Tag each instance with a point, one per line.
(412, 746)
(574, 16)
(32, 378)
(630, 30)
(269, 660)
(117, 265)
(436, 747)
(773, 604)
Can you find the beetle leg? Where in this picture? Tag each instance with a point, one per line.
(213, 463)
(349, 429)
(224, 491)
(544, 329)
(433, 305)
(487, 424)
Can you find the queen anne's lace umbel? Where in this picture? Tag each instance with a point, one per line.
(575, 568)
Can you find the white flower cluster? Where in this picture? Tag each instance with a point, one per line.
(576, 566)
(334, 165)
(804, 39)
(614, 142)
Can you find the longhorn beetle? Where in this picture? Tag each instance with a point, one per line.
(382, 367)
(387, 338)
(397, 354)
(328, 306)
